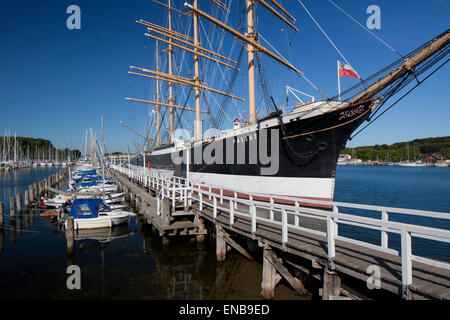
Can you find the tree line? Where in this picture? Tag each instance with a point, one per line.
(416, 149)
(35, 148)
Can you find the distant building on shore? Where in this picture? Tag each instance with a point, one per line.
(434, 159)
(344, 156)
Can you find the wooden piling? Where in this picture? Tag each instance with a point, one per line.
(270, 278)
(331, 284)
(12, 207)
(19, 201)
(138, 202)
(221, 245)
(70, 235)
(132, 199)
(2, 217)
(30, 194)
(26, 200)
(165, 242)
(201, 237)
(165, 210)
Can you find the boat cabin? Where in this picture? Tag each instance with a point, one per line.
(88, 208)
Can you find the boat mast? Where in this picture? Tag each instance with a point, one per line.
(85, 145)
(15, 147)
(102, 162)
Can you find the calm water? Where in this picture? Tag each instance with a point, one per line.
(422, 188)
(15, 182)
(130, 262)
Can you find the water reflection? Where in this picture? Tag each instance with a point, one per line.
(179, 266)
(104, 235)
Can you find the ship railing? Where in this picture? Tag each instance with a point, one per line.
(288, 212)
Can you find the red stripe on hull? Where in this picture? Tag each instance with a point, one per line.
(230, 193)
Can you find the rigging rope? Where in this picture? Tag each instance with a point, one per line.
(383, 95)
(401, 98)
(325, 34)
(264, 85)
(217, 121)
(370, 32)
(302, 75)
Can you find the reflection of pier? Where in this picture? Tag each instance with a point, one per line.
(180, 269)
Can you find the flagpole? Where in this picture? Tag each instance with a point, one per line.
(339, 80)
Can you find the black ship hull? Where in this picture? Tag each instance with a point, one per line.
(294, 156)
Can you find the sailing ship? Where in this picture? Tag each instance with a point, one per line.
(291, 153)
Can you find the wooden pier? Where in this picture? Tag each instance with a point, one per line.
(168, 220)
(292, 246)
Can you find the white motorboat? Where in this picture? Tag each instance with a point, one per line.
(95, 214)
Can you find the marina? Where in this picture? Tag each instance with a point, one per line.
(139, 243)
(211, 157)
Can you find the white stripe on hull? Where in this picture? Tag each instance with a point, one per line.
(322, 188)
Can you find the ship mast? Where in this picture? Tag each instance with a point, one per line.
(171, 101)
(251, 64)
(157, 98)
(197, 77)
(183, 42)
(252, 44)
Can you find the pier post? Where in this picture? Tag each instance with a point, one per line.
(165, 242)
(331, 284)
(132, 198)
(139, 202)
(201, 223)
(12, 207)
(30, 194)
(221, 245)
(2, 217)
(26, 199)
(69, 235)
(19, 201)
(36, 191)
(270, 278)
(165, 211)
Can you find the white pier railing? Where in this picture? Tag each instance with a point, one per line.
(247, 205)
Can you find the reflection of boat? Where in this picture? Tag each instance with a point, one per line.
(104, 235)
(95, 213)
(49, 213)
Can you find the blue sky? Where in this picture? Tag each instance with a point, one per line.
(55, 83)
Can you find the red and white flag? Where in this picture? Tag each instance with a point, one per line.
(346, 70)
